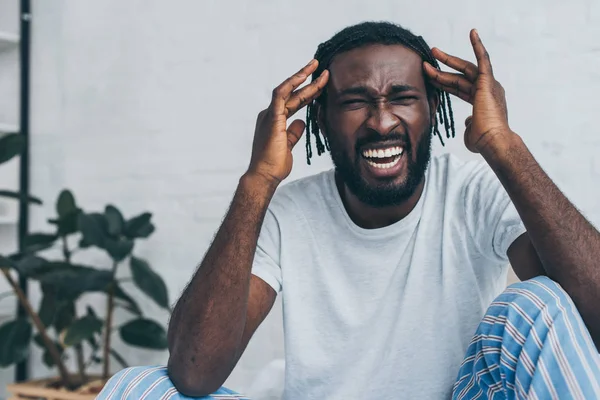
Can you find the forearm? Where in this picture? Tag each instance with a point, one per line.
(208, 321)
(567, 244)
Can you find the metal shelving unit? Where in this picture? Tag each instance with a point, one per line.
(9, 174)
(14, 118)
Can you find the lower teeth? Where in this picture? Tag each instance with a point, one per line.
(384, 166)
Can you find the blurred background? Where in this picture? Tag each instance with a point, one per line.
(151, 106)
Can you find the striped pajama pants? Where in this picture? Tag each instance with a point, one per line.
(531, 344)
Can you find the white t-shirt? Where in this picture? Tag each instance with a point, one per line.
(385, 313)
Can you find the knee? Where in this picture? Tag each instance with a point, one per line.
(133, 382)
(542, 281)
(153, 383)
(533, 295)
(541, 289)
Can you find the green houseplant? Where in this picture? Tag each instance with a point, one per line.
(57, 324)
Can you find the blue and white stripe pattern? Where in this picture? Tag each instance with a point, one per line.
(531, 344)
(152, 383)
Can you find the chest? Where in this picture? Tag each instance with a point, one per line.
(426, 273)
(396, 320)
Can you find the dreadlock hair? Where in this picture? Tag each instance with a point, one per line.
(364, 34)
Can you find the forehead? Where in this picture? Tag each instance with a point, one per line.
(376, 66)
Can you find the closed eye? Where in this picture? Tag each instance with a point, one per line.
(353, 101)
(354, 104)
(404, 99)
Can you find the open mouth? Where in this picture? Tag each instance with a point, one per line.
(384, 158)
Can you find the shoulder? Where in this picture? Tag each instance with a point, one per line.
(471, 185)
(450, 171)
(451, 165)
(302, 194)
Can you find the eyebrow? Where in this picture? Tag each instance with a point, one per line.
(363, 90)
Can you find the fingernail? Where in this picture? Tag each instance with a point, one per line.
(311, 62)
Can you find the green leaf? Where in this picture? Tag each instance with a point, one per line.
(115, 220)
(71, 280)
(94, 228)
(145, 231)
(16, 195)
(6, 262)
(91, 311)
(31, 265)
(47, 308)
(83, 244)
(93, 343)
(35, 242)
(37, 339)
(11, 145)
(14, 341)
(119, 248)
(47, 358)
(139, 226)
(119, 358)
(67, 224)
(144, 333)
(65, 204)
(149, 282)
(129, 303)
(65, 313)
(82, 329)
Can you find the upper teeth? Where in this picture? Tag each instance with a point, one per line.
(383, 153)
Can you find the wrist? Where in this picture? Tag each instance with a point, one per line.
(499, 144)
(258, 183)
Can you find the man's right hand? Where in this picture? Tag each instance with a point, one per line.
(273, 143)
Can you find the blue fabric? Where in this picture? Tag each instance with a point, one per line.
(531, 344)
(151, 383)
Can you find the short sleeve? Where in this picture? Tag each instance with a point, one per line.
(266, 263)
(490, 215)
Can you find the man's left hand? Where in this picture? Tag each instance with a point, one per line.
(476, 85)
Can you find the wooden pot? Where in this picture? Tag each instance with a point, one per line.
(48, 389)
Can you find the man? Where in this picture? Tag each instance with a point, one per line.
(388, 263)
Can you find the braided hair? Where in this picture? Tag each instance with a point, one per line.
(363, 34)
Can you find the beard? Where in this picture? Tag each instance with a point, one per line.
(384, 193)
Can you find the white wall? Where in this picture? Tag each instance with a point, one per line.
(151, 105)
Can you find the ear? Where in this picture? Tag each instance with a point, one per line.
(320, 117)
(434, 102)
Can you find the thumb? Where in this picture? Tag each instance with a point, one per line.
(294, 132)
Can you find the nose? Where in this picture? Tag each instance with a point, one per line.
(382, 120)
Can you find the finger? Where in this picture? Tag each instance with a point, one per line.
(307, 94)
(294, 132)
(483, 57)
(467, 68)
(468, 120)
(283, 92)
(462, 95)
(453, 83)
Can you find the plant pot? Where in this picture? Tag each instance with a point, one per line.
(49, 389)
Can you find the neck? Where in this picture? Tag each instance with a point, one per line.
(369, 217)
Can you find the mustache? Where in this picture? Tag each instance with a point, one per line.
(376, 138)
